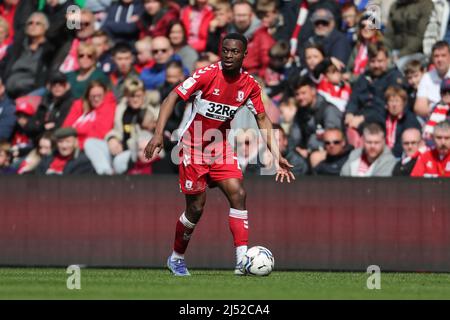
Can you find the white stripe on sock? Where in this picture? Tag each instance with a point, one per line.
(186, 222)
(239, 214)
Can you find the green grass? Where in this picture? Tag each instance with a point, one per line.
(50, 283)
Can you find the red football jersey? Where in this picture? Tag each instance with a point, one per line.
(431, 165)
(217, 99)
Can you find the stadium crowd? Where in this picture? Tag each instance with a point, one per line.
(355, 88)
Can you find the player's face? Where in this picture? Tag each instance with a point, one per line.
(233, 54)
(442, 141)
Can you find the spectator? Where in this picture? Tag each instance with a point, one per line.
(259, 40)
(67, 56)
(123, 59)
(223, 16)
(314, 114)
(374, 159)
(335, 154)
(414, 71)
(398, 118)
(5, 41)
(68, 159)
(349, 22)
(121, 21)
(288, 109)
(139, 164)
(196, 19)
(407, 22)
(27, 64)
(156, 17)
(333, 41)
(137, 109)
(7, 114)
(307, 30)
(429, 86)
(8, 11)
(333, 88)
(314, 59)
(178, 39)
(87, 72)
(163, 53)
(278, 71)
(359, 57)
(102, 43)
(440, 112)
(5, 159)
(412, 144)
(367, 100)
(174, 75)
(45, 147)
(98, 8)
(54, 107)
(268, 12)
(435, 162)
(144, 58)
(92, 116)
(22, 142)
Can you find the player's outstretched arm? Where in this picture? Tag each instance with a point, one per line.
(156, 144)
(282, 165)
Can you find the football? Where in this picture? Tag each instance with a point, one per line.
(258, 261)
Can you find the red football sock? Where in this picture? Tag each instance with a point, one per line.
(238, 221)
(183, 234)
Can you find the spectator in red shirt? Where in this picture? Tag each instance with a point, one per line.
(157, 15)
(92, 116)
(196, 19)
(8, 11)
(436, 162)
(5, 41)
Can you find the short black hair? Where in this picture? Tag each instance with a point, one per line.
(237, 36)
(122, 47)
(440, 45)
(303, 82)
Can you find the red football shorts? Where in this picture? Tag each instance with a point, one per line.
(196, 174)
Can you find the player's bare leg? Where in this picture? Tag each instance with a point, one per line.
(185, 227)
(238, 218)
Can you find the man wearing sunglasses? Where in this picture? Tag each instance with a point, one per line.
(163, 53)
(336, 153)
(334, 42)
(27, 64)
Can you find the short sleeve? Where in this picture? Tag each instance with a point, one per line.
(198, 81)
(254, 102)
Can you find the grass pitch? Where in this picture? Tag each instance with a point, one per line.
(50, 283)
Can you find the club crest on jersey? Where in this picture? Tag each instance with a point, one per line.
(216, 92)
(240, 96)
(188, 184)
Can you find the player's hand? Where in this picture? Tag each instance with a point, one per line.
(154, 147)
(284, 171)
